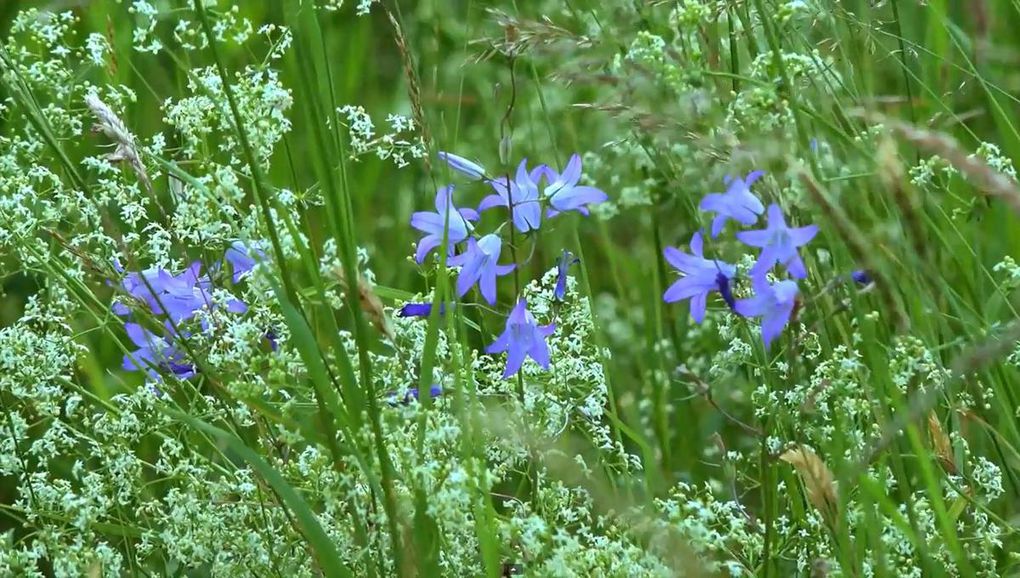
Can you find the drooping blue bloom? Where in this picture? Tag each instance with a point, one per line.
(522, 338)
(737, 203)
(701, 277)
(464, 166)
(726, 291)
(412, 395)
(521, 197)
(862, 277)
(243, 258)
(779, 244)
(447, 217)
(563, 192)
(773, 303)
(179, 297)
(419, 310)
(189, 292)
(480, 264)
(566, 260)
(137, 285)
(155, 353)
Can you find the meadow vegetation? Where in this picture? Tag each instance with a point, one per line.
(525, 287)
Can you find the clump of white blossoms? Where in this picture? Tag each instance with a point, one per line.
(397, 145)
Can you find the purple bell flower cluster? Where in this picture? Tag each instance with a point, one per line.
(529, 197)
(778, 243)
(176, 299)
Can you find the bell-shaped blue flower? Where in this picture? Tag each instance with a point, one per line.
(565, 261)
(243, 258)
(456, 223)
(155, 353)
(778, 243)
(177, 296)
(412, 395)
(480, 264)
(464, 166)
(520, 195)
(419, 310)
(773, 303)
(862, 277)
(563, 192)
(701, 277)
(522, 338)
(737, 203)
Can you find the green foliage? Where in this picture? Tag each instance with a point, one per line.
(877, 437)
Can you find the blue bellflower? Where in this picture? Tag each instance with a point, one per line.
(419, 310)
(522, 338)
(447, 217)
(155, 353)
(479, 264)
(778, 244)
(243, 258)
(464, 166)
(565, 194)
(701, 277)
(412, 395)
(773, 303)
(737, 203)
(521, 196)
(179, 297)
(862, 277)
(564, 263)
(137, 285)
(189, 292)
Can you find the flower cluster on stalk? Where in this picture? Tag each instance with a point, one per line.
(529, 196)
(772, 302)
(173, 300)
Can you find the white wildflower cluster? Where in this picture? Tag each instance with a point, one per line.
(560, 533)
(914, 367)
(720, 533)
(605, 167)
(650, 52)
(109, 479)
(992, 155)
(364, 7)
(798, 10)
(926, 171)
(761, 107)
(204, 121)
(572, 395)
(396, 145)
